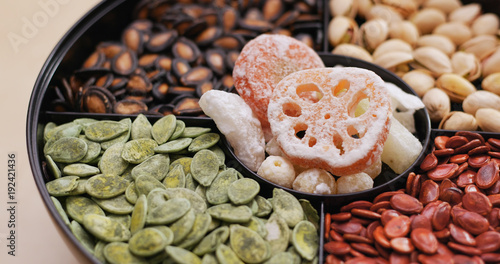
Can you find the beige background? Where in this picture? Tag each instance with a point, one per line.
(29, 30)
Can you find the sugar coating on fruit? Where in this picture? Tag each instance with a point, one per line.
(238, 123)
(315, 181)
(278, 170)
(312, 116)
(354, 183)
(263, 62)
(375, 169)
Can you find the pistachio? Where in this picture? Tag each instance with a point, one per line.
(491, 64)
(372, 33)
(353, 50)
(390, 46)
(480, 99)
(385, 12)
(485, 24)
(492, 83)
(347, 8)
(488, 119)
(396, 61)
(420, 81)
(404, 30)
(457, 120)
(427, 19)
(404, 7)
(447, 6)
(456, 86)
(364, 7)
(457, 31)
(482, 46)
(432, 59)
(466, 65)
(342, 29)
(437, 103)
(465, 14)
(440, 42)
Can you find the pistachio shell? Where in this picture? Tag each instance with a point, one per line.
(404, 30)
(482, 46)
(437, 103)
(466, 65)
(465, 14)
(426, 19)
(432, 59)
(392, 45)
(372, 33)
(457, 120)
(456, 86)
(480, 99)
(354, 51)
(391, 60)
(346, 8)
(488, 119)
(491, 64)
(458, 32)
(447, 6)
(342, 29)
(420, 81)
(485, 24)
(440, 42)
(492, 83)
(385, 12)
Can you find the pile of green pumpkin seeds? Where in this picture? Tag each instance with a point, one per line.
(136, 192)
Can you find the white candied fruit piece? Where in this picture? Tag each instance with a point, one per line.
(278, 170)
(315, 181)
(238, 123)
(354, 183)
(375, 169)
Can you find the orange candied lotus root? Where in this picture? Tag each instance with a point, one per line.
(312, 116)
(263, 62)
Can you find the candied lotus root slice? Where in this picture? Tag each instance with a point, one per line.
(263, 62)
(313, 116)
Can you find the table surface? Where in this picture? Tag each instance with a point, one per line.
(29, 31)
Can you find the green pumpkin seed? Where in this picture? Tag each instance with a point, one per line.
(138, 150)
(83, 236)
(305, 239)
(141, 127)
(192, 132)
(80, 188)
(168, 212)
(197, 203)
(131, 194)
(204, 141)
(167, 232)
(217, 191)
(145, 184)
(243, 191)
(105, 130)
(139, 214)
(230, 213)
(287, 206)
(264, 206)
(278, 233)
(156, 166)
(48, 127)
(119, 253)
(106, 186)
(204, 167)
(111, 160)
(185, 162)
(79, 206)
(65, 130)
(257, 225)
(179, 129)
(220, 154)
(201, 191)
(190, 182)
(209, 259)
(156, 197)
(60, 210)
(106, 228)
(210, 242)
(99, 251)
(225, 255)
(175, 178)
(182, 256)
(84, 121)
(183, 226)
(163, 129)
(248, 245)
(53, 168)
(200, 228)
(122, 219)
(147, 242)
(67, 150)
(124, 137)
(310, 212)
(115, 205)
(173, 146)
(283, 258)
(81, 170)
(93, 150)
(62, 186)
